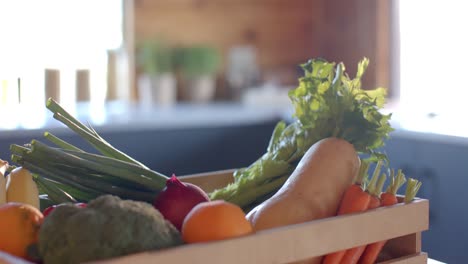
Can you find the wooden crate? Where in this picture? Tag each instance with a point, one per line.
(401, 223)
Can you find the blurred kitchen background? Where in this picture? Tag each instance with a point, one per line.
(190, 86)
(159, 54)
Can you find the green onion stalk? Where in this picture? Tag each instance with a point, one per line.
(66, 173)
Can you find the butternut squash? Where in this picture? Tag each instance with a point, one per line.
(21, 187)
(3, 168)
(314, 190)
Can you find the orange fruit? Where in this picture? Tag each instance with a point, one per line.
(19, 228)
(215, 220)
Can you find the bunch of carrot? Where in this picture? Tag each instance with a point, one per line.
(362, 196)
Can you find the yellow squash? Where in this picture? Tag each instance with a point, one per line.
(21, 187)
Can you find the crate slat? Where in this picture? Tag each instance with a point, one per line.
(418, 258)
(401, 224)
(300, 241)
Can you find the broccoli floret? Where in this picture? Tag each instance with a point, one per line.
(108, 227)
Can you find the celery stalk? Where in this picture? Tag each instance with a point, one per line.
(327, 103)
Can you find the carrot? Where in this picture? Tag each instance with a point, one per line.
(352, 255)
(387, 198)
(355, 191)
(355, 199)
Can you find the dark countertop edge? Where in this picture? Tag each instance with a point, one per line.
(128, 118)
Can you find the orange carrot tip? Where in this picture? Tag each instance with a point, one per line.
(412, 189)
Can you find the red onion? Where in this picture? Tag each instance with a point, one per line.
(177, 199)
(49, 209)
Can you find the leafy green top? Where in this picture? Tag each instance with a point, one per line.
(327, 104)
(328, 101)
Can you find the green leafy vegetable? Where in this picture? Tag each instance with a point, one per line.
(327, 103)
(67, 173)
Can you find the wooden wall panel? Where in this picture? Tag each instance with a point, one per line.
(355, 29)
(281, 30)
(285, 32)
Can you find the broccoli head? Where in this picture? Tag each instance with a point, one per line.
(108, 227)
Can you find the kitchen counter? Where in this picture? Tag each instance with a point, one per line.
(131, 117)
(433, 261)
(125, 117)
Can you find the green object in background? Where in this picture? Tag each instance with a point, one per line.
(155, 57)
(196, 61)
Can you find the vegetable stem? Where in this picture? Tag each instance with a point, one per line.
(380, 183)
(60, 143)
(74, 192)
(72, 160)
(412, 189)
(90, 138)
(56, 175)
(245, 198)
(54, 193)
(88, 134)
(108, 161)
(373, 182)
(362, 175)
(65, 172)
(17, 149)
(88, 185)
(55, 108)
(396, 181)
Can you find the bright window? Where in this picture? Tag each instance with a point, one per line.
(433, 56)
(63, 35)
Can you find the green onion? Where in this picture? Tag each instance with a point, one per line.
(87, 134)
(54, 193)
(66, 173)
(61, 143)
(75, 161)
